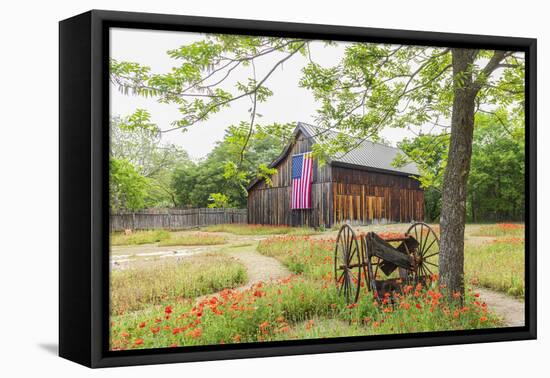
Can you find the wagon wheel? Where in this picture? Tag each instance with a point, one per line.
(426, 254)
(347, 264)
(368, 264)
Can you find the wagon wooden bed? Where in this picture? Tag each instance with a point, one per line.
(359, 260)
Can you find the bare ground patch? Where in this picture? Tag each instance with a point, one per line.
(511, 310)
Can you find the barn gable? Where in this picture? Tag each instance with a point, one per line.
(358, 187)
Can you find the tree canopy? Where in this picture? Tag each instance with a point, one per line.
(227, 170)
(372, 87)
(496, 183)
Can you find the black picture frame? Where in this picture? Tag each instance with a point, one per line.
(83, 181)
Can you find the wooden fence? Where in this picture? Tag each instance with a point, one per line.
(175, 219)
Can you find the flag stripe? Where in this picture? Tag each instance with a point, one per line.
(302, 172)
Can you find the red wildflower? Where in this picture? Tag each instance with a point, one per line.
(168, 310)
(196, 333)
(418, 306)
(142, 324)
(155, 329)
(138, 342)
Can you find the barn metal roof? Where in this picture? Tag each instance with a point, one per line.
(368, 154)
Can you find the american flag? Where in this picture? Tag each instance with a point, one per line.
(302, 172)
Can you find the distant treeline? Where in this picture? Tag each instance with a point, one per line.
(496, 184)
(146, 173)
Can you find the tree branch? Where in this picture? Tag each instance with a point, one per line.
(248, 93)
(486, 71)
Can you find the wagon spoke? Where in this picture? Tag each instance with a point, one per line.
(354, 275)
(433, 254)
(421, 237)
(347, 287)
(422, 271)
(352, 254)
(428, 269)
(427, 249)
(344, 284)
(427, 262)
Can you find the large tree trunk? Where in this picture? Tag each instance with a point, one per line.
(455, 180)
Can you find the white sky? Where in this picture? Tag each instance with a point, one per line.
(290, 103)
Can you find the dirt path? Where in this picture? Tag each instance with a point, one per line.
(510, 309)
(259, 267)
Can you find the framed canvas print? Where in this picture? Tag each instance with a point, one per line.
(234, 188)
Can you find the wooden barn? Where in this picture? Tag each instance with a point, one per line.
(359, 187)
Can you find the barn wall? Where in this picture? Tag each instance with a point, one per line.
(361, 196)
(338, 195)
(271, 205)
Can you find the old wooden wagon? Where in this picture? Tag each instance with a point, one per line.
(384, 264)
(359, 187)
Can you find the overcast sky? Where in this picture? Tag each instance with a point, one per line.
(290, 103)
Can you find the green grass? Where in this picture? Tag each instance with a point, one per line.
(307, 305)
(498, 265)
(139, 237)
(501, 229)
(301, 255)
(257, 229)
(293, 308)
(193, 239)
(139, 288)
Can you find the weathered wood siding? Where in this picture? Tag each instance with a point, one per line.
(175, 219)
(339, 195)
(271, 205)
(361, 196)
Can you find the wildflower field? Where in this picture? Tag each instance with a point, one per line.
(259, 229)
(204, 302)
